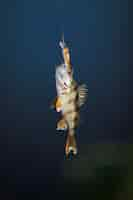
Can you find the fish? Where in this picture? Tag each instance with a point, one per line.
(70, 97)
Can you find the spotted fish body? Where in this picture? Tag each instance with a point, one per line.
(70, 106)
(70, 97)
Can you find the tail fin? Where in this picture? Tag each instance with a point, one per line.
(71, 144)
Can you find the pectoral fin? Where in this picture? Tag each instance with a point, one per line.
(56, 104)
(53, 104)
(82, 91)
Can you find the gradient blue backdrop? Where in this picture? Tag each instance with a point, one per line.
(97, 34)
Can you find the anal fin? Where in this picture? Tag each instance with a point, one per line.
(61, 125)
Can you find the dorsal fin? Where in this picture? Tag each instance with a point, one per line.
(82, 91)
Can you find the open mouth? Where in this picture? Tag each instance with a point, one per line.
(65, 86)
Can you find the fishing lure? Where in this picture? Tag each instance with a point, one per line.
(70, 97)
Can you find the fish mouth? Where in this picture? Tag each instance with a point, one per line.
(65, 86)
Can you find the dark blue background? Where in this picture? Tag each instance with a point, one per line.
(32, 152)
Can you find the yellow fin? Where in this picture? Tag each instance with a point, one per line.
(53, 104)
(82, 91)
(56, 104)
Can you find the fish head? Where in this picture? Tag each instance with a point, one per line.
(63, 78)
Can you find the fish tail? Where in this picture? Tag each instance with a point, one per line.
(71, 143)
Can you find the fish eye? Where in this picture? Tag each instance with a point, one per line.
(65, 84)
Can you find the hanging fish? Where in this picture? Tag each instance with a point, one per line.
(70, 97)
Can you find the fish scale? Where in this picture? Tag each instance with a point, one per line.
(69, 110)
